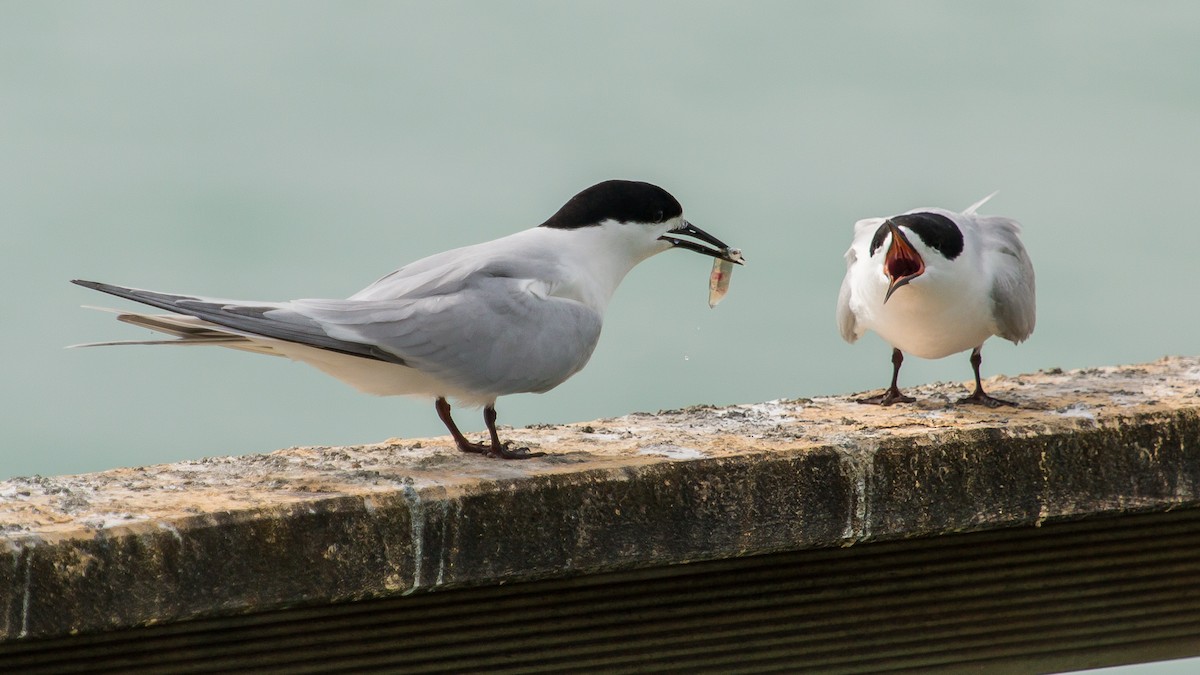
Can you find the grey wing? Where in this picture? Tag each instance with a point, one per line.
(441, 273)
(1014, 294)
(266, 319)
(847, 322)
(864, 230)
(496, 334)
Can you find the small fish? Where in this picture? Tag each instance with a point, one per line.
(722, 272)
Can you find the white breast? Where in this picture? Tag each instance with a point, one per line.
(942, 312)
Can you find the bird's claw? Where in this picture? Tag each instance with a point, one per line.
(503, 452)
(477, 448)
(980, 398)
(888, 397)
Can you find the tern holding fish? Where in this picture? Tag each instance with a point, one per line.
(933, 283)
(518, 314)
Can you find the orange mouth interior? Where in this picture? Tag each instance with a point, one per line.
(902, 259)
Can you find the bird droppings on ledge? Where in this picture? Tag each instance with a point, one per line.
(1079, 410)
(672, 452)
(52, 506)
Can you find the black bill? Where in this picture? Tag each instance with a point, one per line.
(721, 251)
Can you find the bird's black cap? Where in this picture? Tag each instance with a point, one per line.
(935, 230)
(624, 201)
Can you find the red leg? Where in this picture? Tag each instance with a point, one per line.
(495, 449)
(499, 449)
(443, 410)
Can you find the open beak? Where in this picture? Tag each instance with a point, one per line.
(722, 251)
(902, 263)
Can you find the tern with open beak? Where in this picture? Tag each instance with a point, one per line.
(933, 283)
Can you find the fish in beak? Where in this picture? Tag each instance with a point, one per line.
(721, 252)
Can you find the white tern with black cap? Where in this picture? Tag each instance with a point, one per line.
(933, 283)
(518, 314)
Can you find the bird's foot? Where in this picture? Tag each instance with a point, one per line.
(888, 397)
(503, 452)
(476, 448)
(980, 398)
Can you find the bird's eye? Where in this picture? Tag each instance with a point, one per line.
(658, 217)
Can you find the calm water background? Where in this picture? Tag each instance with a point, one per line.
(278, 150)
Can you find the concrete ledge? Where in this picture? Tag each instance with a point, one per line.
(306, 526)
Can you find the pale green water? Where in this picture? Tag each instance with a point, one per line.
(301, 150)
(297, 149)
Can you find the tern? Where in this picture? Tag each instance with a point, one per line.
(933, 283)
(518, 314)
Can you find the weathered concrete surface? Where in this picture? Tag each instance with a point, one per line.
(221, 536)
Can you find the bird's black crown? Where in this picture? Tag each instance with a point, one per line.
(624, 201)
(935, 230)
